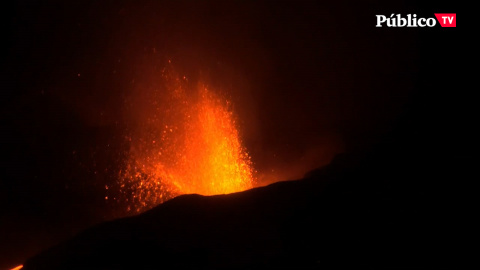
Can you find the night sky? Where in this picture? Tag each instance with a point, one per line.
(308, 80)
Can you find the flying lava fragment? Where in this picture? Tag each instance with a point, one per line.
(190, 143)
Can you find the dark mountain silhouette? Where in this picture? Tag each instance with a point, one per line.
(379, 208)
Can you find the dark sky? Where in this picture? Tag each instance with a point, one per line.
(307, 79)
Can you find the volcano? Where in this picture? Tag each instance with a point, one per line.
(152, 135)
(364, 210)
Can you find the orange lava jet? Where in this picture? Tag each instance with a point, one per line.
(189, 144)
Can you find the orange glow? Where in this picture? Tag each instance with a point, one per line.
(17, 267)
(189, 144)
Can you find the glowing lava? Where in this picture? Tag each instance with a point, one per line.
(190, 144)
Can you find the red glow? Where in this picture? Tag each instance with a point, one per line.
(190, 144)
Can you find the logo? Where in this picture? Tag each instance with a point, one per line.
(411, 20)
(447, 19)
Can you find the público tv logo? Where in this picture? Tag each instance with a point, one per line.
(411, 20)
